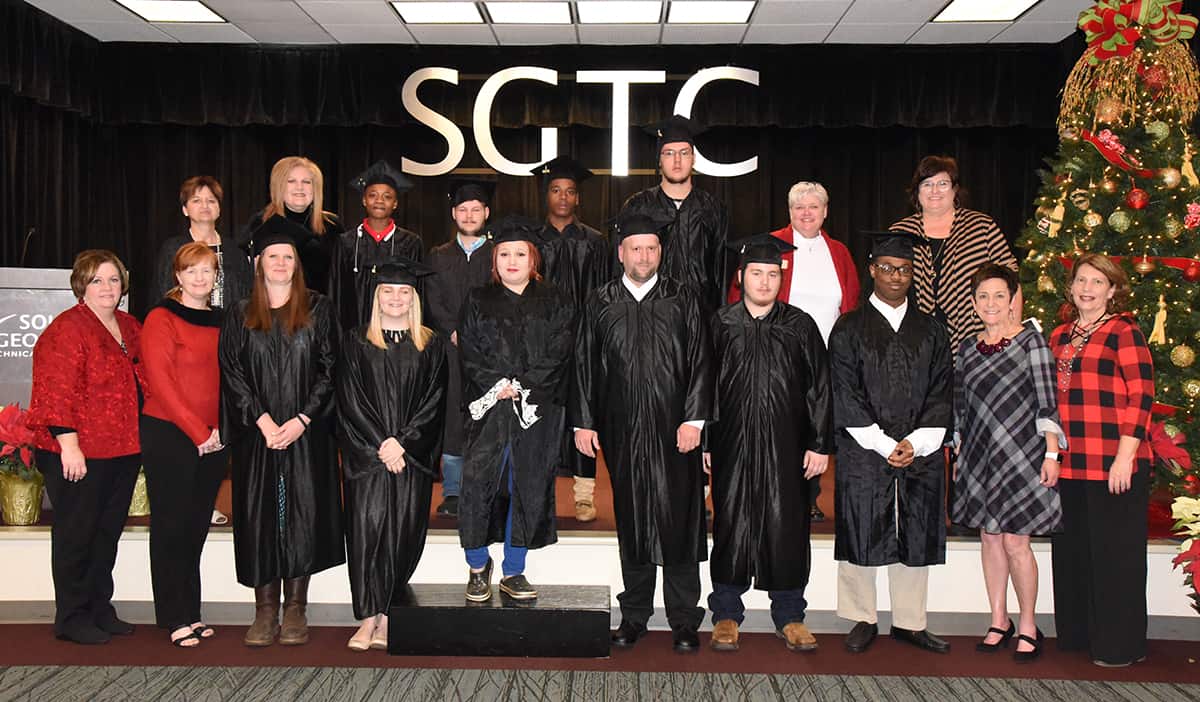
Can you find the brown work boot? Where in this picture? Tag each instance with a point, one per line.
(585, 511)
(266, 616)
(797, 637)
(724, 636)
(295, 625)
(585, 503)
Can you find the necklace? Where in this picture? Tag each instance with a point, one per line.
(988, 349)
(1065, 364)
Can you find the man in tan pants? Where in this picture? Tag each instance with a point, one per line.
(892, 376)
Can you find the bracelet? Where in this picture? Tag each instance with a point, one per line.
(303, 421)
(1052, 455)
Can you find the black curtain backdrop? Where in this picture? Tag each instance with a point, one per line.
(95, 138)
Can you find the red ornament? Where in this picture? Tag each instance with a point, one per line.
(1062, 177)
(1192, 483)
(1192, 273)
(1137, 198)
(1156, 77)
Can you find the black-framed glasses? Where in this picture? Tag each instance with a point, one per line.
(889, 269)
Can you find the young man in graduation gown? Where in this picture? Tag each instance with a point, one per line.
(694, 248)
(376, 240)
(892, 377)
(643, 391)
(576, 258)
(775, 432)
(463, 263)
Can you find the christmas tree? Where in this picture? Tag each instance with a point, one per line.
(1124, 183)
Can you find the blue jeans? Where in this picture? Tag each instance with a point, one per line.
(787, 606)
(514, 556)
(451, 475)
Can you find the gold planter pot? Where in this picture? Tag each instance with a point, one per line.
(139, 506)
(21, 500)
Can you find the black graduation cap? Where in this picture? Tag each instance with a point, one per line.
(399, 271)
(894, 243)
(561, 167)
(633, 221)
(515, 227)
(463, 190)
(381, 172)
(278, 230)
(675, 128)
(761, 248)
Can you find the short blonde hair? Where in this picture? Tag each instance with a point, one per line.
(805, 188)
(85, 267)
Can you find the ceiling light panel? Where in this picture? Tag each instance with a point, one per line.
(710, 11)
(618, 11)
(438, 12)
(172, 10)
(529, 12)
(983, 10)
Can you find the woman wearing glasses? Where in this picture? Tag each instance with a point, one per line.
(959, 242)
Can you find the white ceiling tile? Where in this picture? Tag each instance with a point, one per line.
(453, 34)
(240, 11)
(1057, 11)
(84, 10)
(1026, 32)
(889, 11)
(369, 33)
(123, 31)
(205, 33)
(787, 33)
(800, 11)
(849, 33)
(703, 33)
(286, 33)
(619, 33)
(350, 12)
(958, 32)
(539, 34)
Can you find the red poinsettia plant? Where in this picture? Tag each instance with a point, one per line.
(1186, 511)
(16, 443)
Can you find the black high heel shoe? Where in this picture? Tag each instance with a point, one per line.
(1030, 656)
(983, 647)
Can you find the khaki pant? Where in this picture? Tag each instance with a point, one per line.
(908, 587)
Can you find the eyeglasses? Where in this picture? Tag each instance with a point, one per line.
(889, 269)
(940, 185)
(670, 154)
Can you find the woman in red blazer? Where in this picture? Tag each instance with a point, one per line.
(86, 396)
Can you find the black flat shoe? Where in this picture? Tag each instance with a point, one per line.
(685, 641)
(479, 585)
(449, 507)
(627, 634)
(815, 514)
(86, 634)
(921, 639)
(984, 647)
(517, 587)
(861, 637)
(1029, 656)
(111, 624)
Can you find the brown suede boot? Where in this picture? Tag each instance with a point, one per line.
(266, 616)
(295, 599)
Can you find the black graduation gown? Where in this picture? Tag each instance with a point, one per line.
(527, 338)
(287, 516)
(694, 251)
(641, 370)
(351, 285)
(443, 297)
(396, 392)
(775, 402)
(316, 254)
(577, 260)
(901, 381)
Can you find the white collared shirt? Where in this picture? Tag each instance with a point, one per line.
(639, 291)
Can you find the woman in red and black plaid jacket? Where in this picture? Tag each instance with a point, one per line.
(1105, 393)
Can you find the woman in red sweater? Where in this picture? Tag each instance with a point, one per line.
(84, 413)
(181, 447)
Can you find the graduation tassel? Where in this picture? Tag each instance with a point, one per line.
(1159, 334)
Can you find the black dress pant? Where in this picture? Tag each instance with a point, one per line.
(89, 516)
(681, 594)
(1100, 569)
(182, 486)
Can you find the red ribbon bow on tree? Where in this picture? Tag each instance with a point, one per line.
(1113, 27)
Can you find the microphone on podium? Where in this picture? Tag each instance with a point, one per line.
(25, 245)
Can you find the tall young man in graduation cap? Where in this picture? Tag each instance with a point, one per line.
(892, 377)
(376, 240)
(460, 264)
(694, 249)
(577, 259)
(643, 390)
(774, 433)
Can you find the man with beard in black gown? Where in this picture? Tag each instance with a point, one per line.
(694, 247)
(892, 378)
(463, 263)
(643, 390)
(376, 240)
(774, 433)
(576, 258)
